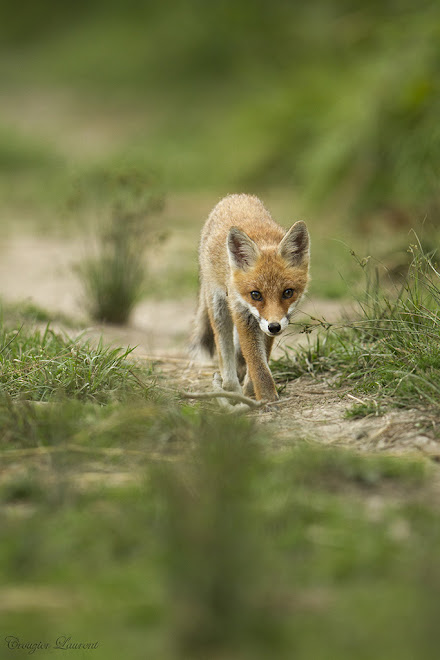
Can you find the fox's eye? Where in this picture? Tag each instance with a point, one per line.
(256, 295)
(287, 293)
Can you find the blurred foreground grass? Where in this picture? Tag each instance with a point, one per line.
(154, 529)
(161, 531)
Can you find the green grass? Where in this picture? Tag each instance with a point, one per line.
(391, 353)
(42, 365)
(27, 312)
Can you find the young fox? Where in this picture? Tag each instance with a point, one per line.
(252, 274)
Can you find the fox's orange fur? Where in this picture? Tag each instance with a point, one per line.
(252, 273)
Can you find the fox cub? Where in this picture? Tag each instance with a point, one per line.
(252, 274)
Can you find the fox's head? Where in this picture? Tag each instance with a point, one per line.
(269, 280)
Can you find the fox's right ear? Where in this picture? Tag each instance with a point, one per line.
(295, 246)
(242, 251)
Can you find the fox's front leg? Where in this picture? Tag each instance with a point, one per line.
(223, 328)
(248, 386)
(255, 351)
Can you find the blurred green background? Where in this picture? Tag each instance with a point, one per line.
(328, 110)
(336, 101)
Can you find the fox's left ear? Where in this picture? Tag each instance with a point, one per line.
(295, 246)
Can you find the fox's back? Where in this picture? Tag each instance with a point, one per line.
(247, 213)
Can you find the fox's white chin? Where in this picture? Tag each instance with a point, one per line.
(271, 334)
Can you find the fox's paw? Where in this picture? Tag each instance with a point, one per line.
(269, 394)
(224, 403)
(231, 386)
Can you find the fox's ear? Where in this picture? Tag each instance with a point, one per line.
(294, 247)
(242, 251)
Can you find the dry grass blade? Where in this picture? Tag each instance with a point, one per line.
(243, 403)
(231, 396)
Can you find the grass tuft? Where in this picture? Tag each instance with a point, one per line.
(391, 353)
(114, 278)
(44, 365)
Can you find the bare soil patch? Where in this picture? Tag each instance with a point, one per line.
(315, 411)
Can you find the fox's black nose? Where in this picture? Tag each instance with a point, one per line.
(274, 328)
